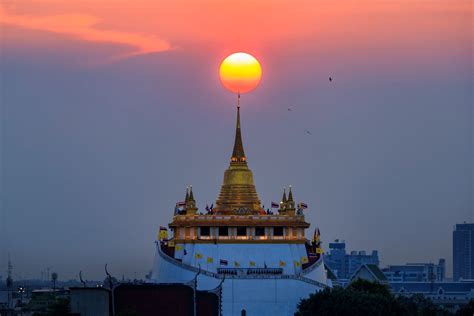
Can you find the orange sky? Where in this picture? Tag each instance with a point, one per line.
(154, 26)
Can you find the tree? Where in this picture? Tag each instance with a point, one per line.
(466, 310)
(365, 298)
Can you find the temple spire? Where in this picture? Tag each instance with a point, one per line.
(238, 154)
(290, 195)
(191, 195)
(187, 195)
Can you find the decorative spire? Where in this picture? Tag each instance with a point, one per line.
(191, 195)
(187, 195)
(238, 154)
(283, 199)
(290, 195)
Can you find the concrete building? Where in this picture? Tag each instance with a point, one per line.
(344, 264)
(463, 251)
(416, 272)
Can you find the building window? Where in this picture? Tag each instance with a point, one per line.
(224, 232)
(278, 231)
(205, 231)
(241, 231)
(259, 231)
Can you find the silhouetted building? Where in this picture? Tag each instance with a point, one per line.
(344, 265)
(416, 272)
(463, 251)
(145, 300)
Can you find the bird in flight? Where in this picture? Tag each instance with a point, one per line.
(330, 79)
(307, 132)
(290, 109)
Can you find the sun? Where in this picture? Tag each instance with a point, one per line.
(240, 72)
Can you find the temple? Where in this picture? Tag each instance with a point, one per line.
(261, 263)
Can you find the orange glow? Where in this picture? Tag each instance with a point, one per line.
(240, 72)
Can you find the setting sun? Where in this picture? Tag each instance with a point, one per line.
(240, 72)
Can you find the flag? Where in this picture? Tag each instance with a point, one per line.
(252, 263)
(297, 263)
(163, 233)
(275, 205)
(179, 247)
(181, 203)
(282, 263)
(223, 262)
(303, 205)
(236, 263)
(210, 260)
(198, 255)
(304, 259)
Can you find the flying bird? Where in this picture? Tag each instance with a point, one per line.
(290, 109)
(307, 132)
(330, 79)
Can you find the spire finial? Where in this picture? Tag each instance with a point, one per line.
(290, 195)
(187, 194)
(191, 195)
(238, 154)
(283, 199)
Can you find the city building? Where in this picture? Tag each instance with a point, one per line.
(463, 251)
(262, 260)
(416, 272)
(344, 264)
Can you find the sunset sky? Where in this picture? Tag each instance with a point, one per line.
(109, 109)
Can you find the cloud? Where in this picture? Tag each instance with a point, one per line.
(85, 27)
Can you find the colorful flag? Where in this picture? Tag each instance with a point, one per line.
(236, 263)
(163, 233)
(198, 255)
(210, 260)
(223, 262)
(252, 263)
(275, 205)
(304, 259)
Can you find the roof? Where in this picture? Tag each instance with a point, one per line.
(426, 287)
(373, 269)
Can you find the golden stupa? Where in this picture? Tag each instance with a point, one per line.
(238, 194)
